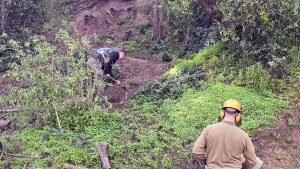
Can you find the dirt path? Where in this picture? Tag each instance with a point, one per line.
(134, 72)
(279, 143)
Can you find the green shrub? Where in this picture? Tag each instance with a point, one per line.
(257, 78)
(12, 49)
(266, 30)
(186, 24)
(173, 86)
(131, 46)
(53, 84)
(196, 61)
(166, 57)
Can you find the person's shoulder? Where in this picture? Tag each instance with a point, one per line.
(242, 132)
(212, 126)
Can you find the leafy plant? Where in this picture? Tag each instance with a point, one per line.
(267, 30)
(131, 46)
(54, 82)
(186, 24)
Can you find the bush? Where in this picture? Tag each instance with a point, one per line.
(166, 57)
(186, 24)
(54, 82)
(23, 16)
(268, 30)
(131, 46)
(173, 87)
(257, 78)
(12, 49)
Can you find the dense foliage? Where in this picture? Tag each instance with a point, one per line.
(266, 30)
(52, 86)
(12, 48)
(186, 25)
(258, 57)
(183, 75)
(163, 133)
(26, 16)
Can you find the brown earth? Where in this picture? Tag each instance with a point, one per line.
(278, 144)
(135, 71)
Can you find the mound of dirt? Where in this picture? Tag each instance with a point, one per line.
(134, 73)
(110, 19)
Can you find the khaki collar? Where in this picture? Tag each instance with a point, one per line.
(228, 122)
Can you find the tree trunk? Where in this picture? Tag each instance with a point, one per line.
(156, 35)
(102, 150)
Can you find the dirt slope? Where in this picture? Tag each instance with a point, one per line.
(134, 72)
(279, 144)
(110, 19)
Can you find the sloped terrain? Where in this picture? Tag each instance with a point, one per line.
(135, 71)
(279, 143)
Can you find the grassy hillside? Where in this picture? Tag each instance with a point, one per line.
(153, 132)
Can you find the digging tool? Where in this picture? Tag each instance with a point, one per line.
(123, 86)
(112, 78)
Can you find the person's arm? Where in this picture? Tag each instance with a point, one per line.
(108, 70)
(249, 154)
(199, 150)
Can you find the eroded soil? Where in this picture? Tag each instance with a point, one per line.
(278, 144)
(135, 71)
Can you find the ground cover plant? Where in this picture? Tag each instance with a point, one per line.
(252, 56)
(156, 132)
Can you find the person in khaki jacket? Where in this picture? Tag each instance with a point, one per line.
(224, 145)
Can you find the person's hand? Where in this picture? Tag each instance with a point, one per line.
(118, 82)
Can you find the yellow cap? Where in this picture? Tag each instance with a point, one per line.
(232, 104)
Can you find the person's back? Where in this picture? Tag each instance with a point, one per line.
(225, 145)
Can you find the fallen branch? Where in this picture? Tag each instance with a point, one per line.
(1, 149)
(21, 156)
(24, 167)
(9, 110)
(102, 150)
(3, 165)
(3, 116)
(70, 166)
(109, 13)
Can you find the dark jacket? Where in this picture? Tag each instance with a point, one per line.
(107, 57)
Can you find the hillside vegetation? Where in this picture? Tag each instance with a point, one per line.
(247, 50)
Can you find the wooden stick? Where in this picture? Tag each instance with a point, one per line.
(9, 110)
(109, 13)
(1, 150)
(102, 150)
(2, 116)
(21, 156)
(3, 165)
(25, 166)
(111, 78)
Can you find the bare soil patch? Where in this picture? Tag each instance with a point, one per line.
(135, 71)
(278, 144)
